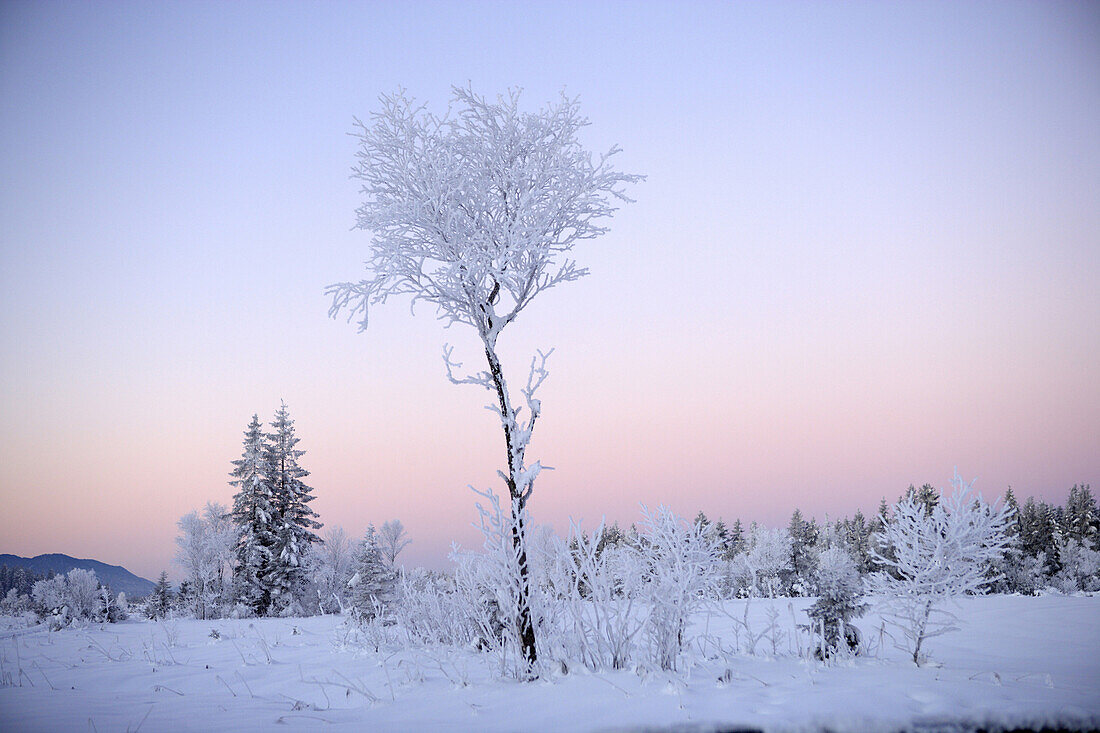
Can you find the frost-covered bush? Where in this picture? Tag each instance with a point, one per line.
(1080, 568)
(738, 578)
(82, 592)
(766, 560)
(14, 604)
(681, 575)
(430, 611)
(499, 592)
(839, 588)
(48, 596)
(599, 586)
(938, 555)
(110, 608)
(65, 597)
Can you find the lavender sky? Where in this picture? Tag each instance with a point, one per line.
(868, 251)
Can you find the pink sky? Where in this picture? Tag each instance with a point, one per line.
(867, 252)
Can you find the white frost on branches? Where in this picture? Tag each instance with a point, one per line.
(471, 211)
(476, 212)
(936, 556)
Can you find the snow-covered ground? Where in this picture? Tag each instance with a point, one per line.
(1017, 661)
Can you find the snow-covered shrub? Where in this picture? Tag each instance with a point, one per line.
(108, 606)
(765, 561)
(938, 555)
(48, 596)
(82, 592)
(599, 585)
(429, 610)
(681, 574)
(1080, 568)
(839, 589)
(497, 589)
(739, 577)
(14, 604)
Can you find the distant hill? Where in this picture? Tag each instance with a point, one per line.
(119, 578)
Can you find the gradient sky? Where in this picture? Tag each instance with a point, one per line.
(868, 251)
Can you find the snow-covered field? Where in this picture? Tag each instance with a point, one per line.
(1018, 661)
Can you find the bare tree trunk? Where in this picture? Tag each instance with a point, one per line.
(518, 495)
(920, 632)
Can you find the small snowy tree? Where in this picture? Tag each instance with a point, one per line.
(768, 558)
(333, 567)
(839, 588)
(476, 213)
(159, 604)
(940, 552)
(392, 539)
(374, 582)
(205, 549)
(81, 592)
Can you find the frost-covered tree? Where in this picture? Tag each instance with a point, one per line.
(1080, 567)
(49, 597)
(735, 543)
(81, 592)
(333, 567)
(926, 496)
(1081, 520)
(803, 538)
(204, 551)
(938, 555)
(374, 583)
(475, 213)
(392, 539)
(768, 558)
(14, 603)
(254, 514)
(294, 522)
(839, 589)
(160, 600)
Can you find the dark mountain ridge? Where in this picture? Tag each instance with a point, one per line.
(119, 578)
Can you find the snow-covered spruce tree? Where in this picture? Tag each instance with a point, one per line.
(839, 588)
(374, 582)
(159, 604)
(475, 213)
(294, 520)
(254, 514)
(940, 553)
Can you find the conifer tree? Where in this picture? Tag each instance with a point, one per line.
(1081, 518)
(294, 521)
(858, 536)
(736, 543)
(254, 514)
(161, 599)
(374, 582)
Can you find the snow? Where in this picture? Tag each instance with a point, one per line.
(1018, 661)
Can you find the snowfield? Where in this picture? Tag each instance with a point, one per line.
(1017, 662)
